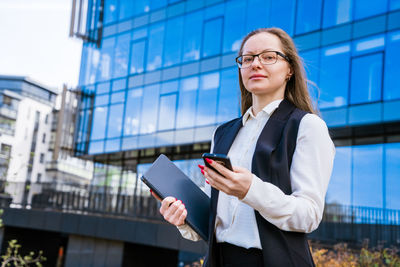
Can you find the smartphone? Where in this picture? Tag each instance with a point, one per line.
(220, 158)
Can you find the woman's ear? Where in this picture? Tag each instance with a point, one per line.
(289, 75)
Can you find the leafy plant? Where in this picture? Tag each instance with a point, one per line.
(13, 256)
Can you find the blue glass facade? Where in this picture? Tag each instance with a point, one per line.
(165, 76)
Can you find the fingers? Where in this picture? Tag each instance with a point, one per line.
(173, 211)
(176, 213)
(166, 203)
(219, 168)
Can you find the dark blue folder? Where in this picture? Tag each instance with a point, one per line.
(165, 179)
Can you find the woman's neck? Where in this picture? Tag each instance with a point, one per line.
(259, 102)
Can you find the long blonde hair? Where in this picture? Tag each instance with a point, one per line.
(296, 87)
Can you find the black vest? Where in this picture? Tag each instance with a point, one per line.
(271, 163)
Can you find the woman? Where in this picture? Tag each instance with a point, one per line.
(282, 156)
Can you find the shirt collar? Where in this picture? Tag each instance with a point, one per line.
(268, 109)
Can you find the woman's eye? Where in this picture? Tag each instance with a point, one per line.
(247, 59)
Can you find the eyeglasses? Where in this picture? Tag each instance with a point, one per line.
(266, 58)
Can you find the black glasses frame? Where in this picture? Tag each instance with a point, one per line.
(239, 61)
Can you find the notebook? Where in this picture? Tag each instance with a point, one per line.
(165, 179)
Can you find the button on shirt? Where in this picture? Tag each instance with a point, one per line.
(309, 174)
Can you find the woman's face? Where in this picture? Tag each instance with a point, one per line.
(261, 79)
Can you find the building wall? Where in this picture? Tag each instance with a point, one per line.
(165, 76)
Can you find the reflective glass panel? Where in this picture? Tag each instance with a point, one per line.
(192, 36)
(392, 172)
(367, 176)
(101, 100)
(137, 56)
(207, 103)
(132, 111)
(234, 25)
(166, 117)
(257, 15)
(121, 54)
(155, 49)
(334, 76)
(392, 70)
(187, 102)
(141, 6)
(168, 87)
(106, 59)
(99, 123)
(173, 41)
(110, 11)
(394, 4)
(212, 37)
(126, 9)
(337, 12)
(229, 93)
(149, 109)
(285, 22)
(114, 126)
(364, 9)
(339, 189)
(312, 66)
(366, 79)
(308, 16)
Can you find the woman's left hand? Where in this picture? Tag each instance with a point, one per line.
(234, 183)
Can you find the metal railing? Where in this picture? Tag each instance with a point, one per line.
(339, 223)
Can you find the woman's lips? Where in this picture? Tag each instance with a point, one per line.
(258, 76)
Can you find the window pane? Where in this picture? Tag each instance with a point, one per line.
(336, 12)
(228, 103)
(368, 8)
(114, 126)
(132, 111)
(335, 62)
(339, 189)
(308, 15)
(207, 104)
(149, 109)
(234, 25)
(118, 97)
(173, 42)
(107, 50)
(169, 87)
(99, 123)
(154, 52)
(311, 62)
(394, 4)
(166, 117)
(101, 100)
(368, 45)
(137, 57)
(121, 54)
(392, 172)
(154, 4)
(192, 36)
(141, 6)
(126, 9)
(285, 22)
(187, 102)
(257, 15)
(212, 37)
(110, 11)
(392, 70)
(367, 176)
(366, 79)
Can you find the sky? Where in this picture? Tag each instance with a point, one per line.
(35, 42)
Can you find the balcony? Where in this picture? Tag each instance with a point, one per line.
(69, 168)
(8, 112)
(7, 129)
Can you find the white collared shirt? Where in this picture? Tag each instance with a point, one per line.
(309, 175)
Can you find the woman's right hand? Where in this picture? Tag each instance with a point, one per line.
(172, 210)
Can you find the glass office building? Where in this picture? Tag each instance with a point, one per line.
(159, 76)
